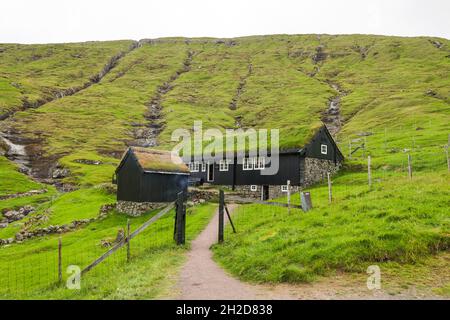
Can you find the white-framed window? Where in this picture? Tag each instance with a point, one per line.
(253, 187)
(203, 167)
(223, 165)
(260, 163)
(247, 164)
(194, 166)
(284, 188)
(323, 149)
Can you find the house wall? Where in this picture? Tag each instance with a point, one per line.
(312, 149)
(315, 170)
(134, 209)
(274, 191)
(129, 180)
(161, 187)
(288, 163)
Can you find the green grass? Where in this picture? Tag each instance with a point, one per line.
(35, 72)
(392, 222)
(29, 269)
(14, 182)
(398, 93)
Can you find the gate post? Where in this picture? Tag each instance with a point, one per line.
(221, 220)
(180, 220)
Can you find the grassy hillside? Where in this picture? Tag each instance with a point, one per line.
(88, 101)
(31, 74)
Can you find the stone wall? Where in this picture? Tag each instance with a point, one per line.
(136, 209)
(316, 170)
(246, 192)
(202, 195)
(274, 191)
(27, 233)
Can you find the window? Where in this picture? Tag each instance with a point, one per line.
(284, 188)
(203, 167)
(247, 164)
(223, 165)
(260, 163)
(323, 149)
(253, 188)
(194, 166)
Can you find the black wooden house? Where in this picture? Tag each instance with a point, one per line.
(300, 166)
(150, 176)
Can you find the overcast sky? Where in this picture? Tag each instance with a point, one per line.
(43, 21)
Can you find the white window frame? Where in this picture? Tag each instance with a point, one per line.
(203, 167)
(253, 187)
(247, 164)
(194, 166)
(260, 163)
(223, 165)
(323, 149)
(284, 188)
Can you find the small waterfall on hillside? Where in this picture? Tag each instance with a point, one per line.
(332, 116)
(17, 153)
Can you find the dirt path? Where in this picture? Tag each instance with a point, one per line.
(202, 279)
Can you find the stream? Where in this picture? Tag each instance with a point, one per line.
(17, 154)
(332, 116)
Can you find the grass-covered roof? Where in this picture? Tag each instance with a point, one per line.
(158, 160)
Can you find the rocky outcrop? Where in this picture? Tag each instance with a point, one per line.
(436, 43)
(15, 215)
(136, 209)
(319, 55)
(146, 135)
(23, 194)
(239, 90)
(27, 232)
(241, 86)
(332, 116)
(31, 158)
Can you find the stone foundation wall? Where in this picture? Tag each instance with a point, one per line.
(274, 191)
(245, 192)
(136, 209)
(197, 195)
(316, 170)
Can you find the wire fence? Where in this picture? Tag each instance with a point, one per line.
(33, 266)
(409, 169)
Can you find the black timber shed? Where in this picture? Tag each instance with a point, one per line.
(149, 175)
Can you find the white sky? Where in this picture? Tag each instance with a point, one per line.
(43, 21)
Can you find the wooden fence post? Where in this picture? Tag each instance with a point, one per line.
(221, 220)
(369, 173)
(289, 196)
(180, 220)
(128, 240)
(330, 198)
(409, 167)
(229, 218)
(60, 259)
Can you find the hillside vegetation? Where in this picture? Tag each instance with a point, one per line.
(78, 106)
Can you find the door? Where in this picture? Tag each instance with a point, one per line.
(210, 172)
(265, 193)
